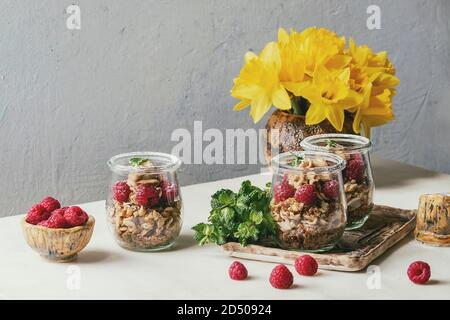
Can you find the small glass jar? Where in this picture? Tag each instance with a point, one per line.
(144, 207)
(358, 180)
(308, 201)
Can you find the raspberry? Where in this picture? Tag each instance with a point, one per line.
(305, 194)
(355, 169)
(331, 189)
(283, 191)
(50, 204)
(36, 214)
(121, 191)
(237, 271)
(169, 191)
(356, 156)
(56, 221)
(419, 272)
(281, 277)
(75, 216)
(146, 195)
(306, 265)
(43, 223)
(60, 211)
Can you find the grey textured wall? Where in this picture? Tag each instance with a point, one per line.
(70, 99)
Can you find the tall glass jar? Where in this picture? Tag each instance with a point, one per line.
(308, 201)
(144, 207)
(358, 180)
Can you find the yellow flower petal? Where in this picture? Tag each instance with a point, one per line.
(351, 99)
(271, 55)
(338, 61)
(259, 107)
(296, 88)
(336, 117)
(280, 99)
(249, 56)
(283, 36)
(315, 114)
(245, 91)
(241, 105)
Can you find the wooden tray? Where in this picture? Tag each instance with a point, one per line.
(357, 248)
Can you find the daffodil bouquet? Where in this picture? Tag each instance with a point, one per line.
(314, 73)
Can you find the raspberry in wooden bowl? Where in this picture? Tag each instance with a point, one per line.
(60, 234)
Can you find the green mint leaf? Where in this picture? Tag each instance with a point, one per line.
(246, 232)
(256, 217)
(223, 198)
(136, 162)
(331, 143)
(296, 161)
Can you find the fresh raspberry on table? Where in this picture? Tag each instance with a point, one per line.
(237, 271)
(283, 191)
(36, 214)
(355, 169)
(121, 191)
(50, 204)
(419, 272)
(306, 265)
(169, 191)
(75, 216)
(56, 221)
(331, 189)
(146, 195)
(281, 277)
(305, 194)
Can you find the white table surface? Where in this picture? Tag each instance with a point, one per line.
(187, 271)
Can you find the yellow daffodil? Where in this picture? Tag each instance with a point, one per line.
(375, 110)
(320, 47)
(374, 76)
(293, 63)
(332, 80)
(329, 95)
(259, 85)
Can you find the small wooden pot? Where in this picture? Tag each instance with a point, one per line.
(433, 219)
(59, 245)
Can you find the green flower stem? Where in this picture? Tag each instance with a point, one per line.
(299, 105)
(295, 106)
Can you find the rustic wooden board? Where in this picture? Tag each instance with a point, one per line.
(357, 248)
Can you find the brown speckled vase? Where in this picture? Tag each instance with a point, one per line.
(292, 130)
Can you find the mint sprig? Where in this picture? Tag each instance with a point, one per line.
(242, 216)
(136, 162)
(297, 160)
(331, 143)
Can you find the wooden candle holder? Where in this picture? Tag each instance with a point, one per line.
(433, 219)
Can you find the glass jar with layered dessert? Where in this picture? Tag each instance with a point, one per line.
(144, 207)
(308, 201)
(358, 180)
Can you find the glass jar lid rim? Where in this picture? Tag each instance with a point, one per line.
(170, 162)
(339, 163)
(360, 143)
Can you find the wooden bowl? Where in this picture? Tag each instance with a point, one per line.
(59, 245)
